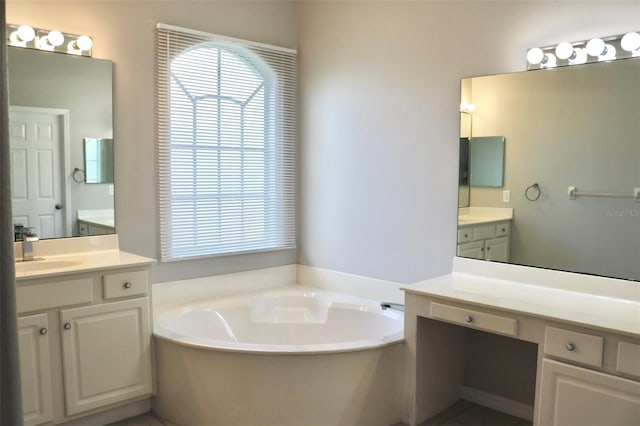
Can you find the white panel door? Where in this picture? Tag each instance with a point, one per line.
(574, 396)
(106, 354)
(35, 369)
(36, 141)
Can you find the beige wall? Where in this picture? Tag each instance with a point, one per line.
(123, 31)
(380, 88)
(379, 94)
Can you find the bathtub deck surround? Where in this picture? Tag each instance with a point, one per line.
(269, 278)
(80, 299)
(582, 331)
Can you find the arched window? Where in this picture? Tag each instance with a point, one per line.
(225, 159)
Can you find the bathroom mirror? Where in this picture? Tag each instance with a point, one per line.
(57, 102)
(568, 127)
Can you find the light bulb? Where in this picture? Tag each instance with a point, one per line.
(608, 54)
(630, 42)
(84, 42)
(15, 40)
(596, 47)
(72, 48)
(579, 57)
(549, 60)
(535, 55)
(565, 50)
(26, 33)
(55, 38)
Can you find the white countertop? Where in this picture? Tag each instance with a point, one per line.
(593, 309)
(101, 217)
(77, 263)
(468, 216)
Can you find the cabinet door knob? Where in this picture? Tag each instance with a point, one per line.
(67, 326)
(570, 347)
(127, 285)
(468, 319)
(466, 235)
(43, 331)
(504, 229)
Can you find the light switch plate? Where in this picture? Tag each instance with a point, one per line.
(506, 196)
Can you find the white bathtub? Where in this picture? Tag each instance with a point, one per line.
(293, 356)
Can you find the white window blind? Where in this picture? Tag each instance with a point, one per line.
(226, 144)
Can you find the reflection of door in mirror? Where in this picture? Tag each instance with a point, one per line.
(463, 170)
(39, 192)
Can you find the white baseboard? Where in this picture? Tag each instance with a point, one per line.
(496, 402)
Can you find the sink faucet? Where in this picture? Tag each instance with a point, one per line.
(30, 237)
(389, 305)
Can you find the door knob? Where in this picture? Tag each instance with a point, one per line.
(58, 206)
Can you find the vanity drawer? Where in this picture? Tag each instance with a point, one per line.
(483, 232)
(125, 284)
(39, 297)
(470, 318)
(628, 358)
(502, 229)
(465, 234)
(573, 346)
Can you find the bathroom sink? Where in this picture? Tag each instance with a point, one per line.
(41, 265)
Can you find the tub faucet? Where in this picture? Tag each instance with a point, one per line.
(389, 305)
(30, 237)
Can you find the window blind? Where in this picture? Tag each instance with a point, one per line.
(226, 144)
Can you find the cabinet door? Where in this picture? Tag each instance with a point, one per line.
(474, 250)
(497, 249)
(106, 354)
(35, 369)
(574, 396)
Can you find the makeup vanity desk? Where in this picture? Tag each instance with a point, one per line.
(586, 328)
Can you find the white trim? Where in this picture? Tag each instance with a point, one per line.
(162, 26)
(65, 166)
(497, 402)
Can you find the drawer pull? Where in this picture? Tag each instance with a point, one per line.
(67, 326)
(466, 235)
(570, 347)
(127, 285)
(468, 319)
(43, 331)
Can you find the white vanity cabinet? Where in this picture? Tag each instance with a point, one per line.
(84, 343)
(583, 347)
(584, 385)
(35, 369)
(484, 241)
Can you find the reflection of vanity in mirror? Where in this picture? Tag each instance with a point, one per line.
(567, 127)
(61, 143)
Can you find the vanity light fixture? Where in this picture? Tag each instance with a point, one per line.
(49, 40)
(611, 48)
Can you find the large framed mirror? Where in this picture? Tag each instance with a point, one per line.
(57, 102)
(570, 128)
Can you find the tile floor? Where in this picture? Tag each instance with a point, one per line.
(462, 413)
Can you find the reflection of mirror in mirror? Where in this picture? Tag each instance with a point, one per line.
(573, 126)
(98, 160)
(486, 162)
(56, 101)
